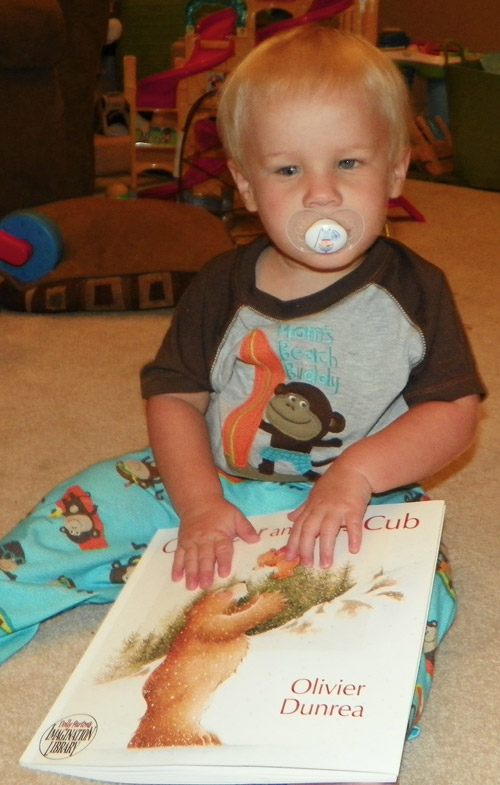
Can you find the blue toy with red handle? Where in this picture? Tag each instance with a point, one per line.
(30, 246)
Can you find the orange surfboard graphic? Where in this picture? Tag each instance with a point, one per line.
(239, 429)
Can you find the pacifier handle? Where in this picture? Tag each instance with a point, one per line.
(311, 231)
(325, 236)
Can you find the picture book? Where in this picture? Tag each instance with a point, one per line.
(278, 674)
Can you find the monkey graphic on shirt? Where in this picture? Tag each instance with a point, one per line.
(298, 417)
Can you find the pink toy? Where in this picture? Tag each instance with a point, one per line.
(160, 90)
(412, 211)
(317, 12)
(213, 47)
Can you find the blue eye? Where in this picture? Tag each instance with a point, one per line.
(348, 163)
(288, 171)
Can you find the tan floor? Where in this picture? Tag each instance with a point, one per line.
(69, 397)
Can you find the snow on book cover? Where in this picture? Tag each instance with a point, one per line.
(280, 673)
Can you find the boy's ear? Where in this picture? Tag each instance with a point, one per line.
(243, 186)
(399, 169)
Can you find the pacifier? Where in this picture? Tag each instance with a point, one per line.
(310, 230)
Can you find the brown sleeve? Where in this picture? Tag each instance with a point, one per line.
(449, 369)
(184, 359)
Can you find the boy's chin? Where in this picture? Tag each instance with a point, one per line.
(328, 265)
(340, 262)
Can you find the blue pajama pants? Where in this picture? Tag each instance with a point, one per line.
(81, 542)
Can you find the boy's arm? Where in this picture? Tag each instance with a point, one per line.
(413, 447)
(208, 523)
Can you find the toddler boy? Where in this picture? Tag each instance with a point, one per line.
(317, 369)
(321, 352)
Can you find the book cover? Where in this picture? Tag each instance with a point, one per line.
(278, 674)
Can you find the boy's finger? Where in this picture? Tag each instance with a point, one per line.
(178, 564)
(223, 555)
(306, 546)
(327, 540)
(292, 546)
(203, 567)
(353, 527)
(246, 531)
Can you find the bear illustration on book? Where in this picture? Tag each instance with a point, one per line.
(204, 645)
(205, 653)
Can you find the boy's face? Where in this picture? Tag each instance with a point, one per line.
(324, 155)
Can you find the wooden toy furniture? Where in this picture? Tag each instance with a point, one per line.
(213, 45)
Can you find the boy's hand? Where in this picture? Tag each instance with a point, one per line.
(339, 498)
(206, 540)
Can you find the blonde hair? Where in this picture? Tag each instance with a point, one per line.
(311, 61)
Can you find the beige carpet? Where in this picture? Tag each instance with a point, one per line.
(69, 396)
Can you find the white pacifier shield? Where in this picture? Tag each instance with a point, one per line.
(308, 230)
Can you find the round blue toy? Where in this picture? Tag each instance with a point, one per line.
(30, 246)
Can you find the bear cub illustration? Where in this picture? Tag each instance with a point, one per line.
(206, 652)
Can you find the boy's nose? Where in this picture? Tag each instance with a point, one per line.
(322, 190)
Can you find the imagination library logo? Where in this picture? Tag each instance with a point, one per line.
(68, 737)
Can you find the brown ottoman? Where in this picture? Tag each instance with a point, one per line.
(120, 254)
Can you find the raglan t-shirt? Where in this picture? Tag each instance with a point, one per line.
(293, 383)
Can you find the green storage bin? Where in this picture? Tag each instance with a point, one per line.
(474, 108)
